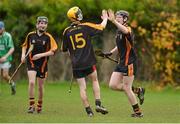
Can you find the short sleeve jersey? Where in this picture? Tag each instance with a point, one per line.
(43, 43)
(125, 47)
(6, 43)
(77, 40)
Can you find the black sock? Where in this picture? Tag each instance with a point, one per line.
(98, 102)
(88, 109)
(136, 109)
(31, 101)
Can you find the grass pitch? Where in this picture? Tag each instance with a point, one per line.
(59, 106)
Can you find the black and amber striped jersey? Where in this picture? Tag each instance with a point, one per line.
(77, 40)
(43, 43)
(125, 44)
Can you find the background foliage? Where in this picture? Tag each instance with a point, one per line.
(156, 24)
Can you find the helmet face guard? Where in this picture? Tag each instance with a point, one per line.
(79, 15)
(42, 19)
(75, 14)
(124, 14)
(39, 25)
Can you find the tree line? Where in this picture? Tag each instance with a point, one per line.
(156, 25)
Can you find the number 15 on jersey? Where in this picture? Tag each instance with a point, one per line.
(77, 41)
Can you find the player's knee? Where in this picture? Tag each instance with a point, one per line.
(5, 76)
(126, 88)
(112, 86)
(31, 83)
(40, 88)
(83, 94)
(82, 90)
(94, 79)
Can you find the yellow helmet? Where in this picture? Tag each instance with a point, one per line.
(75, 14)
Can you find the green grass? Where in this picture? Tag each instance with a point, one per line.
(59, 106)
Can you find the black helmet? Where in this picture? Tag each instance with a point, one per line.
(42, 18)
(123, 13)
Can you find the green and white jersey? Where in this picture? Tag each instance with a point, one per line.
(6, 43)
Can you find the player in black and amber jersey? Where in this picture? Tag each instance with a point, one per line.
(123, 75)
(77, 41)
(37, 60)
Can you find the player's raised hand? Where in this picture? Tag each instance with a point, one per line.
(104, 14)
(111, 16)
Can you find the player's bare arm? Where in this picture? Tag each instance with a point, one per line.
(23, 54)
(116, 21)
(40, 55)
(114, 49)
(104, 17)
(3, 59)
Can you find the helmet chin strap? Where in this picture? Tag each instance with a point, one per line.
(80, 17)
(124, 21)
(41, 31)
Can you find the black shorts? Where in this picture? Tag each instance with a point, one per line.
(38, 66)
(84, 72)
(128, 70)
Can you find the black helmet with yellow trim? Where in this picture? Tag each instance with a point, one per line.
(75, 14)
